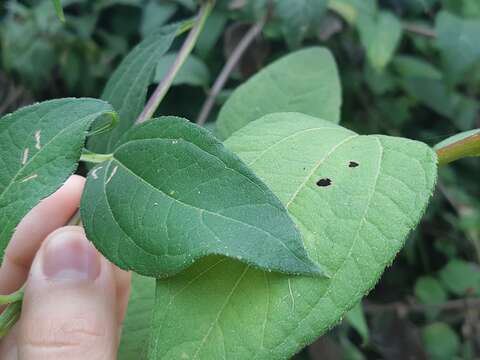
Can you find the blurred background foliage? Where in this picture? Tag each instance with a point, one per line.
(408, 68)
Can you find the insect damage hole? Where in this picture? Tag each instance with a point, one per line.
(353, 164)
(324, 182)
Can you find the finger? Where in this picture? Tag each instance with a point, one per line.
(50, 214)
(69, 309)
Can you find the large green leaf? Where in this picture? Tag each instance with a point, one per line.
(354, 198)
(40, 146)
(127, 89)
(305, 81)
(172, 193)
(458, 42)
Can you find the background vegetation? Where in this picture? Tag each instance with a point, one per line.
(408, 68)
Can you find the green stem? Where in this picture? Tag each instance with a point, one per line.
(465, 147)
(11, 298)
(94, 158)
(183, 54)
(9, 317)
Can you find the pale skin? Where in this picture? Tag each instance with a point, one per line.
(75, 300)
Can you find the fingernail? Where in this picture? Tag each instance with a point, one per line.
(69, 256)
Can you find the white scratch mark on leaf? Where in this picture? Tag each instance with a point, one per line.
(94, 172)
(291, 294)
(37, 139)
(31, 177)
(25, 156)
(111, 175)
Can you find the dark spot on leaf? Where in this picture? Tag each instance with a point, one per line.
(324, 182)
(353, 164)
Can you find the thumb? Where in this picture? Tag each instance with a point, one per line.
(69, 305)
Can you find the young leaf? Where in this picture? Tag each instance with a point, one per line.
(59, 9)
(305, 81)
(172, 193)
(126, 90)
(353, 225)
(380, 35)
(40, 146)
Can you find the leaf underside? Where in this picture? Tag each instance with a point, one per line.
(305, 81)
(173, 193)
(40, 146)
(352, 225)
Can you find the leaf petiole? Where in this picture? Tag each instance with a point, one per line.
(91, 157)
(11, 298)
(466, 144)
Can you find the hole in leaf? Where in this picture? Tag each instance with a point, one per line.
(353, 164)
(324, 182)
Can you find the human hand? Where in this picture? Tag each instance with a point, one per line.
(74, 300)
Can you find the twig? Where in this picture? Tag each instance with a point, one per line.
(419, 30)
(183, 54)
(229, 66)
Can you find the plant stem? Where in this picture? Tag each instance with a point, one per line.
(419, 30)
(232, 62)
(469, 146)
(183, 54)
(11, 298)
(95, 158)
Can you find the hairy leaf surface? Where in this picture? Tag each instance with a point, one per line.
(172, 193)
(354, 198)
(305, 81)
(40, 146)
(127, 88)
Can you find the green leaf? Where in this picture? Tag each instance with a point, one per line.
(193, 72)
(305, 81)
(436, 95)
(127, 89)
(457, 40)
(430, 291)
(59, 9)
(299, 18)
(440, 341)
(412, 67)
(356, 319)
(461, 277)
(172, 193)
(380, 36)
(40, 146)
(352, 10)
(135, 329)
(354, 227)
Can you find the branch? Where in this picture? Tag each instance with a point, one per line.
(228, 68)
(182, 56)
(419, 30)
